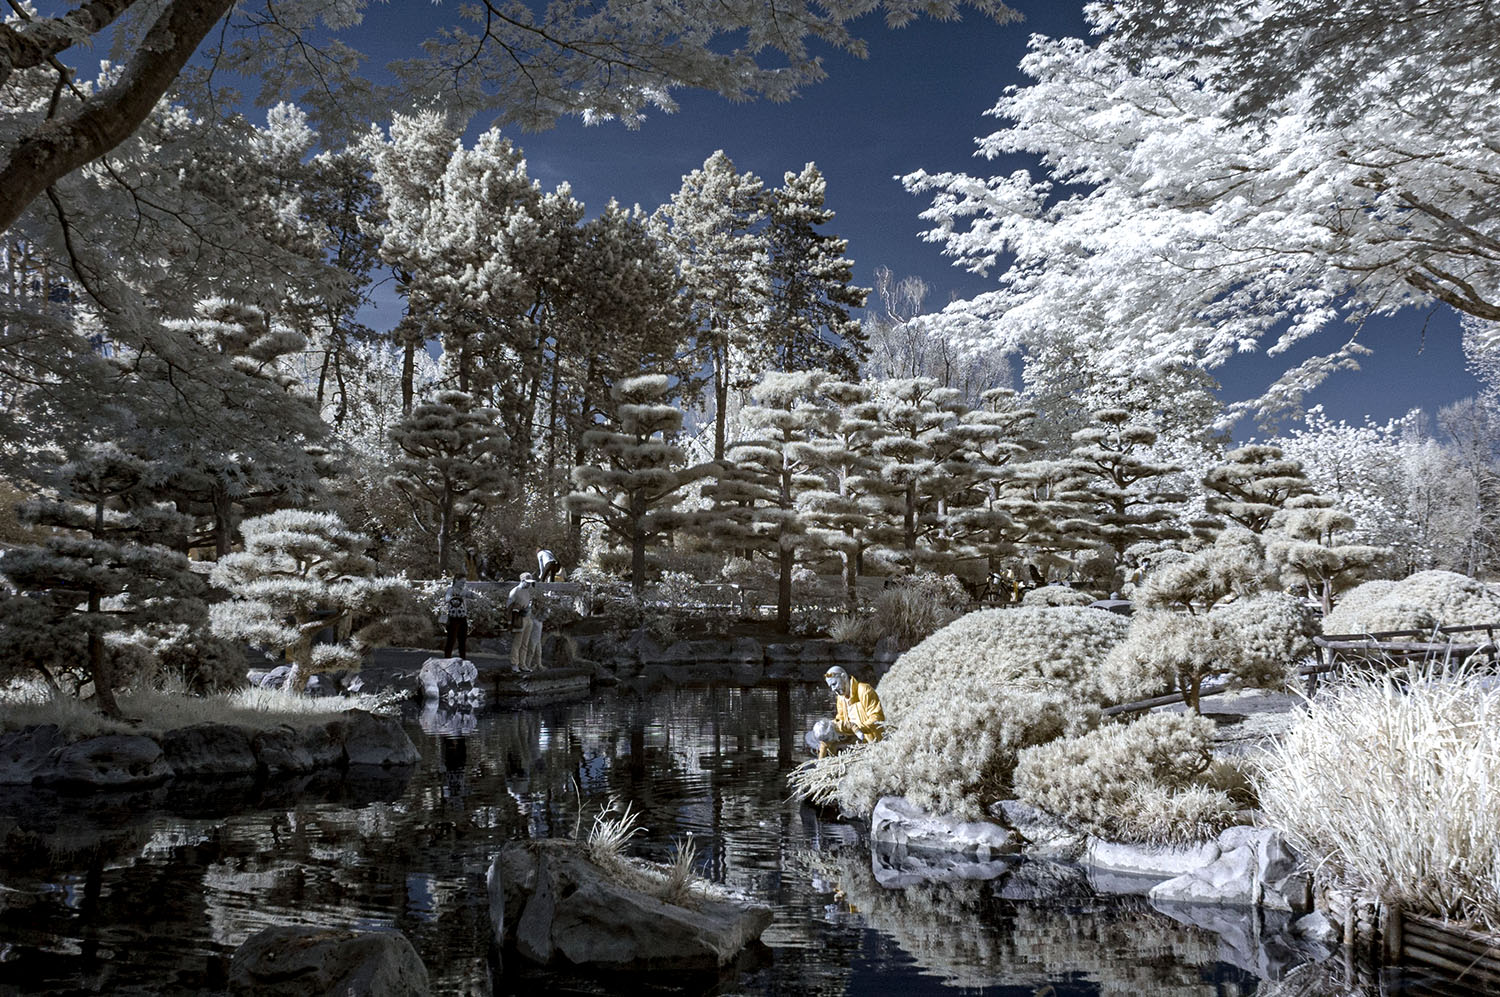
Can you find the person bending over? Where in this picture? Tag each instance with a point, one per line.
(858, 714)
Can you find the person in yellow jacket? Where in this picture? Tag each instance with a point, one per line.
(858, 713)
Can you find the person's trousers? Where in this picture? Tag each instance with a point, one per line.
(458, 627)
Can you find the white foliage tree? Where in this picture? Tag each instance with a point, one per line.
(633, 487)
(299, 573)
(1169, 230)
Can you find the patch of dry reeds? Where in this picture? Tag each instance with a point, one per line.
(1392, 782)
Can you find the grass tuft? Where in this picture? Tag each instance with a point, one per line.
(1392, 783)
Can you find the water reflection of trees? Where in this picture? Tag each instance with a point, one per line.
(965, 934)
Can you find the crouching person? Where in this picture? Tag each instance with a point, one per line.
(858, 715)
(525, 628)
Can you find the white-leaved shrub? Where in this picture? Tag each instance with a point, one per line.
(1419, 602)
(1056, 595)
(962, 704)
(1140, 781)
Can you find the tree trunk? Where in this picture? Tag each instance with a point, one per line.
(99, 669)
(223, 522)
(909, 522)
(408, 376)
(785, 559)
(851, 580)
(721, 402)
(445, 532)
(58, 147)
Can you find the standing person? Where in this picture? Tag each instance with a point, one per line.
(524, 631)
(547, 566)
(455, 613)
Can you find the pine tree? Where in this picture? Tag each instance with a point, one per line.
(812, 288)
(302, 572)
(109, 572)
(1302, 542)
(845, 514)
(712, 228)
(1114, 452)
(759, 495)
(1253, 483)
(453, 467)
(634, 488)
(989, 519)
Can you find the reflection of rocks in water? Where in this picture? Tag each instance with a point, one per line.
(1043, 880)
(1331, 978)
(449, 721)
(1258, 940)
(896, 867)
(964, 932)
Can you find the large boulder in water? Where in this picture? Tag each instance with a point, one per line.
(557, 907)
(301, 961)
(209, 749)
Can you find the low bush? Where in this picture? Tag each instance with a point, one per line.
(1056, 595)
(962, 704)
(1421, 601)
(1139, 781)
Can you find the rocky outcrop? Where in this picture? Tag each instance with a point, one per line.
(111, 761)
(1254, 868)
(299, 961)
(1044, 835)
(553, 906)
(24, 753)
(209, 750)
(898, 824)
(375, 739)
(448, 680)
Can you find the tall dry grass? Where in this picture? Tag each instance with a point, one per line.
(1392, 782)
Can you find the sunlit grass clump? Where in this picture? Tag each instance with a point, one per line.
(23, 704)
(676, 882)
(1392, 782)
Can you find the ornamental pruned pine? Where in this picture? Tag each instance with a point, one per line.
(302, 572)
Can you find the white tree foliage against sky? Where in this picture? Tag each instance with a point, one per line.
(1167, 230)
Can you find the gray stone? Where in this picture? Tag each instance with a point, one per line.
(1045, 836)
(324, 744)
(26, 752)
(1316, 927)
(111, 761)
(273, 679)
(209, 750)
(901, 825)
(300, 961)
(280, 751)
(1045, 880)
(374, 739)
(441, 677)
(1254, 868)
(1148, 860)
(640, 646)
(571, 912)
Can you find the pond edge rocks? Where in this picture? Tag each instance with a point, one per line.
(552, 905)
(43, 755)
(1244, 866)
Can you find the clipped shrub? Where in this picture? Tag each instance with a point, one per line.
(1056, 595)
(962, 704)
(1255, 641)
(1139, 781)
(1421, 601)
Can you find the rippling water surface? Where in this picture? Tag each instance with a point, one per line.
(150, 893)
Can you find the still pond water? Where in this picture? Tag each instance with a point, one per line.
(149, 894)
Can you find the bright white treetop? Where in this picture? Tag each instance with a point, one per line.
(1166, 233)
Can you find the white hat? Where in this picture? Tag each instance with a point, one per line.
(527, 578)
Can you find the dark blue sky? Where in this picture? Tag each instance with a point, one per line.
(918, 101)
